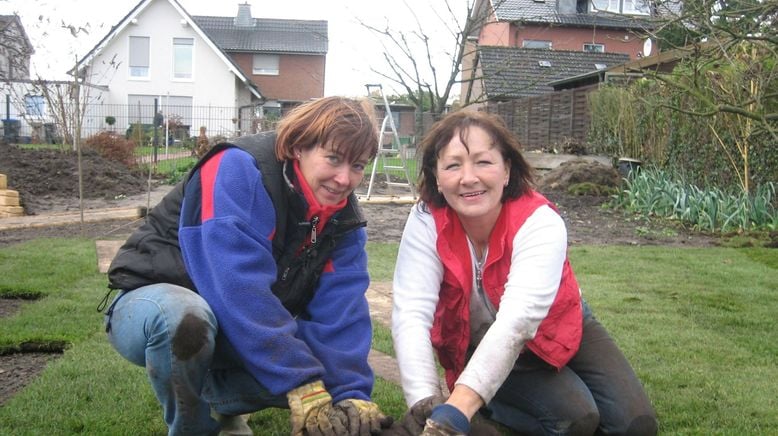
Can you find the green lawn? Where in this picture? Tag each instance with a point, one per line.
(698, 325)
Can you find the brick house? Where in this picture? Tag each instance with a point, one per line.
(284, 58)
(558, 38)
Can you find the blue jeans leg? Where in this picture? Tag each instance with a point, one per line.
(171, 332)
(230, 389)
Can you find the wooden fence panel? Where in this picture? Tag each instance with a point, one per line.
(549, 120)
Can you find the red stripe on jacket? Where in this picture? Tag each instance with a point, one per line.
(208, 173)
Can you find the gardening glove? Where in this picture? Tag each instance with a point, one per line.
(446, 420)
(310, 406)
(363, 418)
(416, 418)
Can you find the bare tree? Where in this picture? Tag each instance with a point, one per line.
(409, 59)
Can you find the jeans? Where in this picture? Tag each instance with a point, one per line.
(192, 368)
(596, 393)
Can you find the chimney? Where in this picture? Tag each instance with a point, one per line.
(243, 19)
(566, 7)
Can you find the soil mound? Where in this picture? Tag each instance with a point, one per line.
(579, 171)
(46, 173)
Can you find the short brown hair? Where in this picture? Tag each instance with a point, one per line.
(348, 125)
(457, 123)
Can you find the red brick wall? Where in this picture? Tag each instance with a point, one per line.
(300, 77)
(562, 38)
(573, 39)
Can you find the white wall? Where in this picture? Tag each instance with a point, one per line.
(212, 83)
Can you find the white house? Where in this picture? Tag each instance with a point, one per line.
(157, 51)
(201, 71)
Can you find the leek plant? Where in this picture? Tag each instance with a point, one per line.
(653, 192)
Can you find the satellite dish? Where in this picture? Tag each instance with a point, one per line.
(647, 46)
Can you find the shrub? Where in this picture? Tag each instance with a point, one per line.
(113, 147)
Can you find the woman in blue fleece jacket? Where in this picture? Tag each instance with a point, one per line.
(245, 287)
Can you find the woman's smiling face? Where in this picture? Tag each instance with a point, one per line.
(472, 178)
(329, 176)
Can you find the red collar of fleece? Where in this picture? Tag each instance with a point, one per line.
(314, 208)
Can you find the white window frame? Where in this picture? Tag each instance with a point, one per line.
(181, 46)
(635, 7)
(527, 43)
(265, 64)
(137, 69)
(626, 7)
(593, 45)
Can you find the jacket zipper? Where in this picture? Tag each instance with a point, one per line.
(314, 223)
(481, 292)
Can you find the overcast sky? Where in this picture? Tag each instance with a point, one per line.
(353, 50)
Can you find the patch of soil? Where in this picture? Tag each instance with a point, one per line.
(47, 182)
(19, 369)
(42, 177)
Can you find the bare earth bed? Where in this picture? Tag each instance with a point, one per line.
(47, 182)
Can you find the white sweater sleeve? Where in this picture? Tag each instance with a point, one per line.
(417, 277)
(539, 251)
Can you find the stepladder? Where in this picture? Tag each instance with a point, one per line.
(392, 157)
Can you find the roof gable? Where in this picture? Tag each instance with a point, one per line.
(117, 29)
(521, 72)
(6, 21)
(267, 35)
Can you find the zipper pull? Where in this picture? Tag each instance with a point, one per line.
(314, 222)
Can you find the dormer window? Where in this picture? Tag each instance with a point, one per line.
(534, 43)
(594, 48)
(627, 7)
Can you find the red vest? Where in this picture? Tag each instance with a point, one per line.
(559, 334)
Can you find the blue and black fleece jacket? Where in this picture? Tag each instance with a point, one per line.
(215, 235)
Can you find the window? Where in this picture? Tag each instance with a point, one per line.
(139, 56)
(631, 7)
(636, 7)
(265, 64)
(531, 43)
(182, 58)
(594, 48)
(34, 105)
(140, 109)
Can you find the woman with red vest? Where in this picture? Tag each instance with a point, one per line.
(482, 278)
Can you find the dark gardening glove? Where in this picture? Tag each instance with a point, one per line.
(360, 417)
(446, 420)
(416, 418)
(310, 407)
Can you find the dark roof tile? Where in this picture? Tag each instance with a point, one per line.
(267, 35)
(517, 72)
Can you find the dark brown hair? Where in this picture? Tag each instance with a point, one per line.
(348, 125)
(458, 123)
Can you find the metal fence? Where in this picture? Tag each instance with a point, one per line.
(180, 124)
